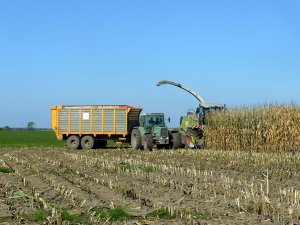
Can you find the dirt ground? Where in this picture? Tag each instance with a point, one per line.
(123, 186)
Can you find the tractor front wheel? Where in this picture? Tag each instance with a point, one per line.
(148, 142)
(176, 140)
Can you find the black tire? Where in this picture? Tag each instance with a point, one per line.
(100, 144)
(176, 140)
(148, 142)
(162, 146)
(136, 140)
(73, 142)
(87, 142)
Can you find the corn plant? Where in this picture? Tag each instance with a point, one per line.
(263, 128)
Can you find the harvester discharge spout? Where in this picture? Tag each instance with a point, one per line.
(197, 96)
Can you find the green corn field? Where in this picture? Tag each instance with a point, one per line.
(270, 127)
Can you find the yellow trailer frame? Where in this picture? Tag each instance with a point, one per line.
(112, 120)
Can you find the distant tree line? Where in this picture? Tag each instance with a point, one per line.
(30, 127)
(7, 128)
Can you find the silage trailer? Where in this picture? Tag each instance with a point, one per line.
(83, 126)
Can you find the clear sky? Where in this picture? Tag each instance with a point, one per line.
(114, 52)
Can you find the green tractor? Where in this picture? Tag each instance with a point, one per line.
(153, 131)
(191, 125)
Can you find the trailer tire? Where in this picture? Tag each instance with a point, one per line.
(136, 139)
(176, 140)
(87, 142)
(148, 142)
(73, 142)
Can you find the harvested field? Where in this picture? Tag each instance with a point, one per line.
(122, 186)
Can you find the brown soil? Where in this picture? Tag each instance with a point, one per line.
(191, 187)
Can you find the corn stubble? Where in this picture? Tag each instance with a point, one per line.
(273, 128)
(118, 186)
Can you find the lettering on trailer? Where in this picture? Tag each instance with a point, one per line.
(110, 107)
(95, 107)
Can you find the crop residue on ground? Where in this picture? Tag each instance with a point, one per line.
(164, 186)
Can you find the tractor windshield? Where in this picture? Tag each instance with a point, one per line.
(154, 120)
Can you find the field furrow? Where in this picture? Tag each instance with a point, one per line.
(165, 186)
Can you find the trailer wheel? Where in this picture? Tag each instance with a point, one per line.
(73, 142)
(87, 142)
(136, 140)
(176, 140)
(148, 142)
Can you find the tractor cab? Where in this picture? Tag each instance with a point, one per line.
(152, 120)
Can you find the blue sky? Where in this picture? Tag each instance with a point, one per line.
(114, 52)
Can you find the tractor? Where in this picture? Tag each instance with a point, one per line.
(153, 131)
(191, 125)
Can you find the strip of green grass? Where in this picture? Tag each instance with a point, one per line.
(29, 139)
(114, 214)
(35, 138)
(35, 216)
(162, 213)
(5, 170)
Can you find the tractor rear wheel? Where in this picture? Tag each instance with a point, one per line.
(176, 140)
(136, 140)
(73, 142)
(87, 142)
(148, 142)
